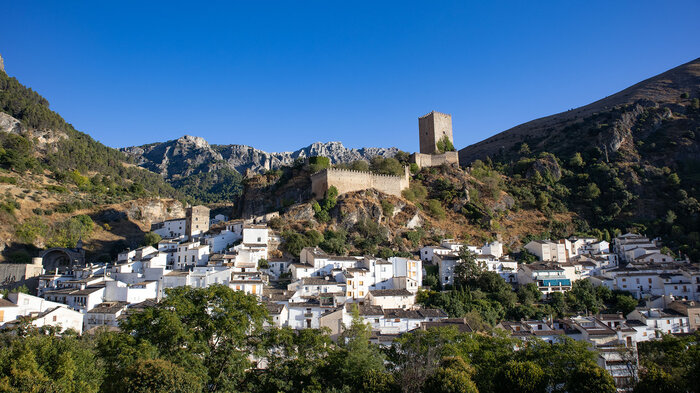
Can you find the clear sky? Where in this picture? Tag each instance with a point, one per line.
(281, 75)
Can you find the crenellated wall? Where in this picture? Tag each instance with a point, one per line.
(348, 181)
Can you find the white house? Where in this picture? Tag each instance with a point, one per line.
(446, 266)
(548, 276)
(391, 298)
(168, 229)
(547, 250)
(8, 311)
(104, 314)
(190, 254)
(665, 321)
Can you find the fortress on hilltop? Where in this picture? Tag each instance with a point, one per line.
(433, 130)
(348, 181)
(435, 134)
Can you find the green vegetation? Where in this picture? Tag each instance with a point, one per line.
(59, 234)
(199, 340)
(151, 239)
(444, 144)
(71, 156)
(221, 185)
(322, 210)
(318, 163)
(670, 365)
(491, 299)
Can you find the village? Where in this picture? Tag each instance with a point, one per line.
(322, 291)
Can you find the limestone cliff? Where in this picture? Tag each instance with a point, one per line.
(190, 155)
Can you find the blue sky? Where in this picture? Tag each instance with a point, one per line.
(281, 75)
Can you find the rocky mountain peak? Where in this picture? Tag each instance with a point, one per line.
(189, 155)
(197, 141)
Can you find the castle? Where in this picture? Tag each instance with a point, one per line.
(433, 129)
(348, 181)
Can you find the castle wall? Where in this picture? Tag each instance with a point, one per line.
(428, 160)
(348, 181)
(431, 128)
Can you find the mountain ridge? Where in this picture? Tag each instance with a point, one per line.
(191, 155)
(665, 88)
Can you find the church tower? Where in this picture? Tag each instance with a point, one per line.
(431, 128)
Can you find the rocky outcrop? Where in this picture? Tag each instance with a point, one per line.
(190, 155)
(42, 139)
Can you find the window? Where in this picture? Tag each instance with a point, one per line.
(362, 283)
(54, 318)
(376, 320)
(362, 293)
(649, 280)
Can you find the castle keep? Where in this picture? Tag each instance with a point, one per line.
(348, 181)
(431, 129)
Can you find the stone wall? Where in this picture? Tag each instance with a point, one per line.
(428, 160)
(13, 275)
(348, 181)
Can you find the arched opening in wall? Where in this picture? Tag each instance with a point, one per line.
(53, 259)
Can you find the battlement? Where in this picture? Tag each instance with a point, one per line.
(435, 113)
(348, 180)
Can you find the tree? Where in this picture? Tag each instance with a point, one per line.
(467, 270)
(453, 376)
(208, 331)
(529, 293)
(583, 297)
(151, 239)
(625, 304)
(358, 357)
(159, 376)
(524, 377)
(654, 379)
(589, 378)
(576, 161)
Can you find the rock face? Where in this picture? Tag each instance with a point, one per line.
(190, 155)
(42, 138)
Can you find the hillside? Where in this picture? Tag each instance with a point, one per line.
(627, 162)
(51, 173)
(446, 201)
(610, 118)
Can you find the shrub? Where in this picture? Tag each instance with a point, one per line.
(8, 179)
(150, 238)
(318, 163)
(30, 230)
(435, 209)
(387, 208)
(444, 144)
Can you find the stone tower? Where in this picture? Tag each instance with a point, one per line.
(2, 64)
(431, 128)
(196, 220)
